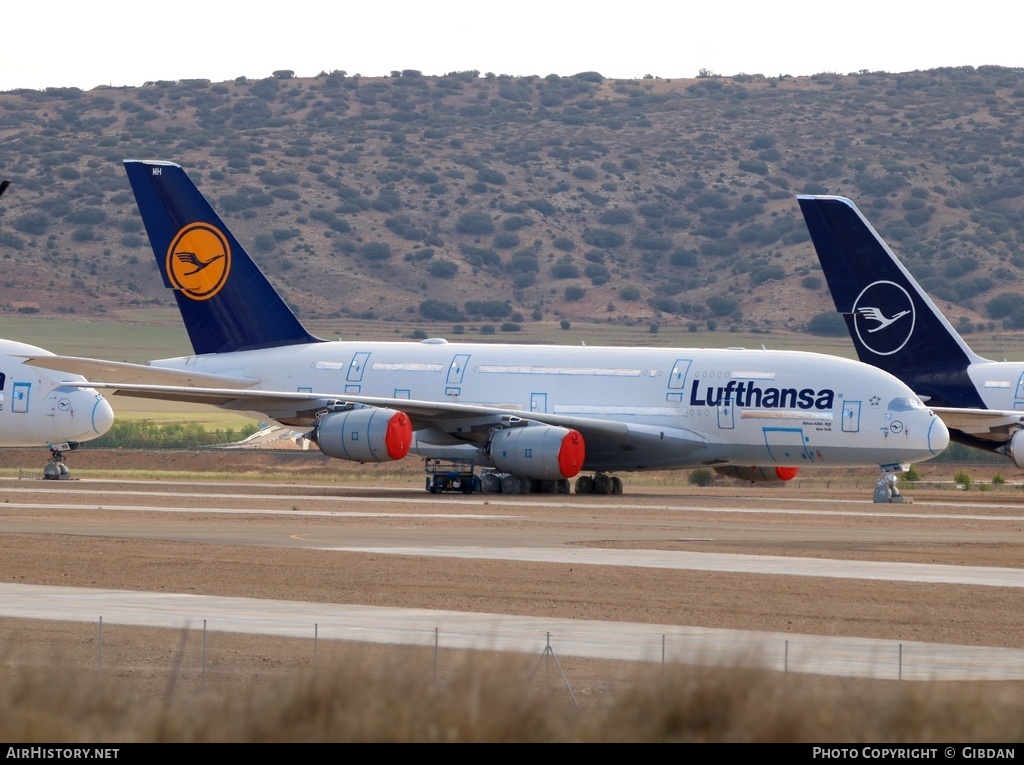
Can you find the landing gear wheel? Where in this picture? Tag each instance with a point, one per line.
(616, 485)
(55, 469)
(602, 483)
(585, 484)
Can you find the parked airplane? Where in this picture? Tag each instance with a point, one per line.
(48, 409)
(537, 414)
(895, 326)
(43, 409)
(39, 408)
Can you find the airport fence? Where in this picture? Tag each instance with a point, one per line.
(211, 650)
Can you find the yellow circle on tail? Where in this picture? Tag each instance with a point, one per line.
(198, 261)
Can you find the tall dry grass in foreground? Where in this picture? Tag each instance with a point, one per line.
(488, 698)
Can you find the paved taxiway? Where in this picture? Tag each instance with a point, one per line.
(566, 530)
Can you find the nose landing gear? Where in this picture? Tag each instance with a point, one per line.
(885, 489)
(56, 469)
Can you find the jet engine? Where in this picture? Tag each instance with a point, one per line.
(758, 474)
(1015, 448)
(538, 451)
(369, 434)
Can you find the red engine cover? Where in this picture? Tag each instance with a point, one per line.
(538, 451)
(365, 435)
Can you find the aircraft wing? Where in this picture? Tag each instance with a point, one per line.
(467, 422)
(422, 413)
(137, 373)
(987, 424)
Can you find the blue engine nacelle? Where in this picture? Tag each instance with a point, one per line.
(369, 434)
(538, 451)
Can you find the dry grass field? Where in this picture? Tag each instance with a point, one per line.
(496, 699)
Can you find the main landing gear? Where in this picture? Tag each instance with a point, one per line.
(492, 482)
(599, 483)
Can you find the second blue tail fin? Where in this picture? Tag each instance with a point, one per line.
(226, 302)
(894, 325)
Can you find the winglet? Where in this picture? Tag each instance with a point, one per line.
(226, 302)
(894, 325)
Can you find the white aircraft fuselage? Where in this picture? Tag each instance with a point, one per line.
(640, 408)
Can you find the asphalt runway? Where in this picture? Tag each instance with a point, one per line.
(643, 530)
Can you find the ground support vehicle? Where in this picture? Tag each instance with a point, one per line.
(450, 475)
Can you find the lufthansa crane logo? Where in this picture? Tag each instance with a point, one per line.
(883, 317)
(198, 261)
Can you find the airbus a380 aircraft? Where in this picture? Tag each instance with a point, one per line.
(895, 326)
(539, 414)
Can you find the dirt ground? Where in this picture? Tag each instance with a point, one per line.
(160, 552)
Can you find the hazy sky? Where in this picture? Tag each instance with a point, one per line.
(116, 42)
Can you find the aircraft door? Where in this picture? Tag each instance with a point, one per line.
(1018, 396)
(457, 369)
(677, 380)
(453, 388)
(786, 445)
(726, 415)
(19, 397)
(357, 367)
(851, 416)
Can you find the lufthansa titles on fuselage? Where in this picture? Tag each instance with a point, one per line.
(746, 393)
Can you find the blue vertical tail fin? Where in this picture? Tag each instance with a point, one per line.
(226, 302)
(894, 325)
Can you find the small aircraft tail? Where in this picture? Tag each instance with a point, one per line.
(226, 302)
(894, 325)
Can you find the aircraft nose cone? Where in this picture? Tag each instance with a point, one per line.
(938, 435)
(102, 416)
